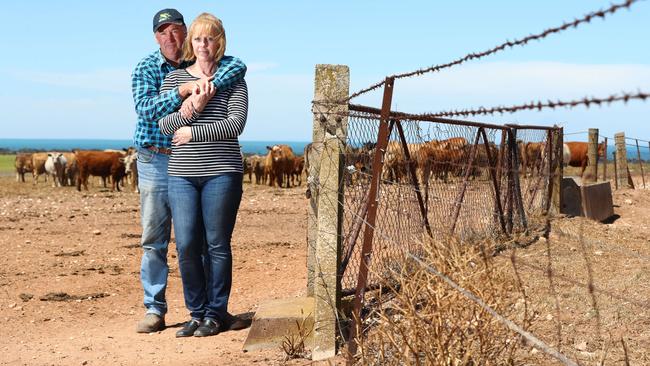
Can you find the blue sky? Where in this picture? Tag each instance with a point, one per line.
(67, 64)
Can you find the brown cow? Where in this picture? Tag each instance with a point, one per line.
(298, 167)
(38, 165)
(532, 156)
(279, 164)
(23, 165)
(70, 169)
(575, 154)
(99, 163)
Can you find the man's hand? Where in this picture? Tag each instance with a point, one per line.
(200, 99)
(187, 108)
(182, 136)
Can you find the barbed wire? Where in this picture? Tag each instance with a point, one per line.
(508, 44)
(539, 105)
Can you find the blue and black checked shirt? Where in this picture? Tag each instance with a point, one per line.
(151, 106)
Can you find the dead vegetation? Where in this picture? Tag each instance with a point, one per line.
(425, 321)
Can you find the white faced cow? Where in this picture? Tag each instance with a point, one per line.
(55, 166)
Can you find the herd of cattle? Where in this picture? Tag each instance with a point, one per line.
(438, 159)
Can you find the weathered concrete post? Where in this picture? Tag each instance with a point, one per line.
(605, 162)
(558, 170)
(592, 156)
(331, 83)
(325, 210)
(621, 160)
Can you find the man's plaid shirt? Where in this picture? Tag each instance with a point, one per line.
(151, 106)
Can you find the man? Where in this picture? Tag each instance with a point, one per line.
(154, 149)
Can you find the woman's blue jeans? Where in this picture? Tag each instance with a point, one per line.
(205, 207)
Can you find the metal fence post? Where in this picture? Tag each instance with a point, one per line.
(638, 154)
(558, 170)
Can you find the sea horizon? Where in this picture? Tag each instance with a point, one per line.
(15, 145)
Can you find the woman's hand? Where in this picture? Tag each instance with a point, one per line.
(205, 93)
(182, 136)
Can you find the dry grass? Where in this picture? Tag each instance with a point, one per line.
(424, 321)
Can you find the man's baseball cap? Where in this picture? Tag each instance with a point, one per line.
(167, 16)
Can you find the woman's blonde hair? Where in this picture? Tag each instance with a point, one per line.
(205, 24)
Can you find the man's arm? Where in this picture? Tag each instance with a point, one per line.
(150, 105)
(230, 71)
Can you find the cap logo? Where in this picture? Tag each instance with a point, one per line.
(163, 17)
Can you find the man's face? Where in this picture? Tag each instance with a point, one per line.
(170, 37)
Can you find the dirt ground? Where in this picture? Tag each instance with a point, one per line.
(86, 245)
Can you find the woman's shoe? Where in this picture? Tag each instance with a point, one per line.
(189, 328)
(208, 327)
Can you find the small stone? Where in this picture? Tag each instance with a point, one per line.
(549, 317)
(628, 201)
(581, 346)
(598, 252)
(12, 305)
(28, 241)
(96, 232)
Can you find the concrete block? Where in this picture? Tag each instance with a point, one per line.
(278, 318)
(597, 201)
(592, 200)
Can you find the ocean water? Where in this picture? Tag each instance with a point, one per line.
(249, 147)
(15, 145)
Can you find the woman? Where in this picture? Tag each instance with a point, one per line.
(205, 177)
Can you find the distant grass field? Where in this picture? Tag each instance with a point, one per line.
(7, 163)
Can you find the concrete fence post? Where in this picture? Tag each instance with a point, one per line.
(592, 156)
(331, 83)
(621, 161)
(325, 218)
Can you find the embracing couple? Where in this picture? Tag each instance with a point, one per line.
(191, 102)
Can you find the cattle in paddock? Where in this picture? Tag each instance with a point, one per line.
(575, 154)
(71, 170)
(248, 167)
(38, 166)
(298, 167)
(257, 168)
(99, 163)
(131, 168)
(23, 165)
(55, 167)
(532, 157)
(279, 164)
(358, 162)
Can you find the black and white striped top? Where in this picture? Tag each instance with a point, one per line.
(214, 148)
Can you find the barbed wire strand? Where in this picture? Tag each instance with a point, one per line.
(507, 44)
(539, 105)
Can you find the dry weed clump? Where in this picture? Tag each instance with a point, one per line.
(423, 321)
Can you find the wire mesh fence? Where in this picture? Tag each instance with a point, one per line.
(471, 179)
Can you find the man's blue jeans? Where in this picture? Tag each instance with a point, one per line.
(155, 216)
(205, 207)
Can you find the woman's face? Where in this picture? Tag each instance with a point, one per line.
(205, 47)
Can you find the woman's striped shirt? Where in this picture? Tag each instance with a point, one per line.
(214, 148)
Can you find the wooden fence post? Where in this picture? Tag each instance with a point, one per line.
(621, 160)
(324, 221)
(592, 156)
